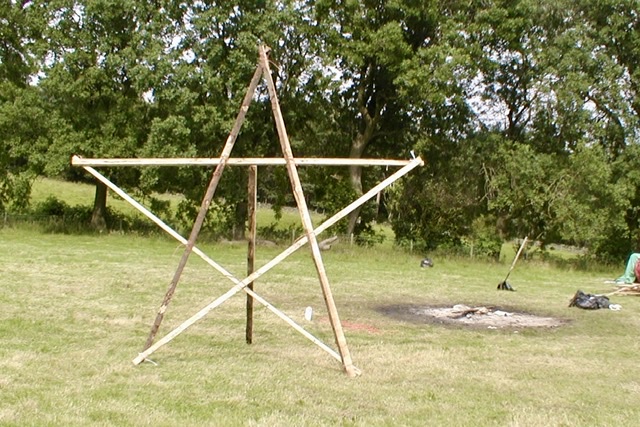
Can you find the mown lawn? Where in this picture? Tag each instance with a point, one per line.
(77, 309)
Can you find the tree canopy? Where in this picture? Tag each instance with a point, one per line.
(526, 112)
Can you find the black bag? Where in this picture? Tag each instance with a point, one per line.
(427, 262)
(589, 301)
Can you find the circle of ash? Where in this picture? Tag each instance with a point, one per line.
(478, 316)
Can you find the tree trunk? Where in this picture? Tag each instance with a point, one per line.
(98, 217)
(239, 221)
(365, 134)
(355, 177)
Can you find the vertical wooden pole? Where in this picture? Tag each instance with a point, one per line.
(213, 184)
(251, 252)
(306, 219)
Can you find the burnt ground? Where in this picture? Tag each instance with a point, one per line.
(488, 317)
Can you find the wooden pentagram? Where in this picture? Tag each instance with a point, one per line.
(291, 163)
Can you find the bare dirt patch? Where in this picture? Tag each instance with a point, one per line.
(353, 326)
(489, 317)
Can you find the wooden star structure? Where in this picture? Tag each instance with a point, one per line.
(310, 233)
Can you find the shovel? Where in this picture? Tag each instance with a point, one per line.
(504, 285)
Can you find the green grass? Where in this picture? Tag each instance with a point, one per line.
(72, 193)
(75, 194)
(77, 309)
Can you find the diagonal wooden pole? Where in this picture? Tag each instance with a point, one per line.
(220, 269)
(275, 261)
(213, 184)
(340, 338)
(240, 284)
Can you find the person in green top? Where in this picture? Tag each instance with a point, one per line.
(632, 272)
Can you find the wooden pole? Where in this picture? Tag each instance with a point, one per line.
(206, 201)
(240, 284)
(212, 263)
(251, 252)
(244, 161)
(306, 218)
(275, 261)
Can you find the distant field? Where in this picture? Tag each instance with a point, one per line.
(83, 194)
(76, 310)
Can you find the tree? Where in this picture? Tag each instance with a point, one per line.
(214, 61)
(380, 53)
(594, 203)
(614, 27)
(533, 67)
(621, 239)
(97, 70)
(22, 116)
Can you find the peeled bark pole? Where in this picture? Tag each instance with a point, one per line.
(306, 219)
(238, 161)
(213, 184)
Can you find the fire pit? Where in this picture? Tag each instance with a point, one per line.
(473, 316)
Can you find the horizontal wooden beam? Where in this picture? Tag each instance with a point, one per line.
(247, 161)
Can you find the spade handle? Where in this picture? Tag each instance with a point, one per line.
(513, 264)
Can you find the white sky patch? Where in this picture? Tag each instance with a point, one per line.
(490, 112)
(188, 56)
(149, 96)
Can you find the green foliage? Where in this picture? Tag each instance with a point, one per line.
(435, 204)
(592, 184)
(484, 240)
(51, 206)
(218, 222)
(14, 191)
(57, 216)
(526, 112)
(23, 142)
(282, 235)
(524, 186)
(368, 236)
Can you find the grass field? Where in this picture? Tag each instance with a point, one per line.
(83, 194)
(74, 194)
(76, 310)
